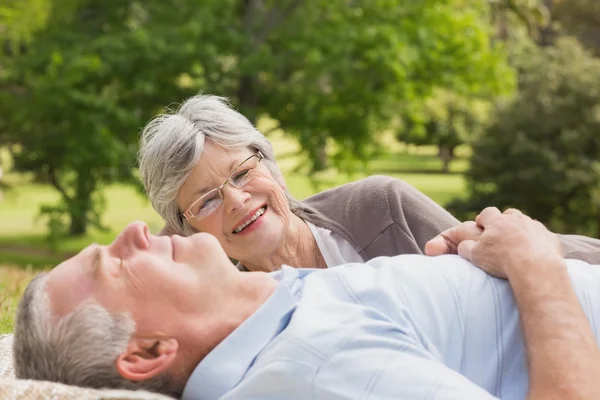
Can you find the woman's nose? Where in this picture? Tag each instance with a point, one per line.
(134, 236)
(234, 198)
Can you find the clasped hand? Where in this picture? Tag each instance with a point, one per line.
(499, 243)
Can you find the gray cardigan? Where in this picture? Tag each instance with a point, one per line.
(383, 216)
(378, 216)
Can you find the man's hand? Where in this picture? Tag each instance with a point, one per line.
(510, 240)
(499, 242)
(562, 352)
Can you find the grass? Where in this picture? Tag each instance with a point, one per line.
(12, 283)
(19, 212)
(24, 249)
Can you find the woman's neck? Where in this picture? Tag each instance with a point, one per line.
(299, 249)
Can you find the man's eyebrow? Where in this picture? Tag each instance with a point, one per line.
(96, 258)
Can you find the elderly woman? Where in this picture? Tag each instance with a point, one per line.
(207, 168)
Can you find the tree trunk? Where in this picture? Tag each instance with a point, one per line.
(248, 98)
(252, 10)
(320, 161)
(259, 21)
(81, 205)
(446, 154)
(502, 28)
(547, 34)
(78, 226)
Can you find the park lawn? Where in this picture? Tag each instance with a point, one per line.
(21, 224)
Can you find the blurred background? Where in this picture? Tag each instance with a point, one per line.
(474, 102)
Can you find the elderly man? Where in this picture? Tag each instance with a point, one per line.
(148, 312)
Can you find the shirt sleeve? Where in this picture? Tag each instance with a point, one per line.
(419, 217)
(581, 248)
(379, 216)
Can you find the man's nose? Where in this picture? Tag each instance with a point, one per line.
(234, 198)
(134, 236)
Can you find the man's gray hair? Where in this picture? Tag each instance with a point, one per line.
(80, 348)
(172, 144)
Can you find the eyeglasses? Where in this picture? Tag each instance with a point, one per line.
(209, 202)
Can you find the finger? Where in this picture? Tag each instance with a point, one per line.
(486, 216)
(512, 211)
(468, 230)
(465, 249)
(439, 245)
(447, 241)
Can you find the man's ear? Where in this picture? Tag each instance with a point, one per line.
(146, 358)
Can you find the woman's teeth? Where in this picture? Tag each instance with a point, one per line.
(257, 214)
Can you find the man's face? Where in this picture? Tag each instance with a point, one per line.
(160, 281)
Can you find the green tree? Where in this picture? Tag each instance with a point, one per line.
(342, 84)
(508, 15)
(19, 19)
(580, 18)
(84, 86)
(542, 152)
(325, 70)
(444, 120)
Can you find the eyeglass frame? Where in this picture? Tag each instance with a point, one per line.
(187, 213)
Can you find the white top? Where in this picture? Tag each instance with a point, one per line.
(335, 249)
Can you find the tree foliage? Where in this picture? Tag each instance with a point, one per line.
(347, 84)
(510, 14)
(542, 153)
(580, 18)
(19, 19)
(325, 70)
(444, 120)
(80, 92)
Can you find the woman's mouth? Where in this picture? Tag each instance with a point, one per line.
(259, 213)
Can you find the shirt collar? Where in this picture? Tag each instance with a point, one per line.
(225, 366)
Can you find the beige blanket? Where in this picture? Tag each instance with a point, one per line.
(18, 389)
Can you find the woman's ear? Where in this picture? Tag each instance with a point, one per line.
(146, 358)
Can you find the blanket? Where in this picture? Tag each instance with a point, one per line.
(19, 389)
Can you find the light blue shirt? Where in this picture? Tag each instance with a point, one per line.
(404, 327)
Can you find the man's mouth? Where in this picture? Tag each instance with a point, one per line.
(250, 220)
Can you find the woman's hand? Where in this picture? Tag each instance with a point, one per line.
(447, 241)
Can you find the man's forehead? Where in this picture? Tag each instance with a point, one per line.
(71, 282)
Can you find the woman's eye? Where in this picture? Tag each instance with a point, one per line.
(241, 174)
(206, 203)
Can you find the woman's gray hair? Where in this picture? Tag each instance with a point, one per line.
(172, 144)
(80, 348)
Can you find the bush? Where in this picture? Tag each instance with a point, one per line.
(541, 154)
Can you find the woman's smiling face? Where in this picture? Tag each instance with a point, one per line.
(252, 220)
